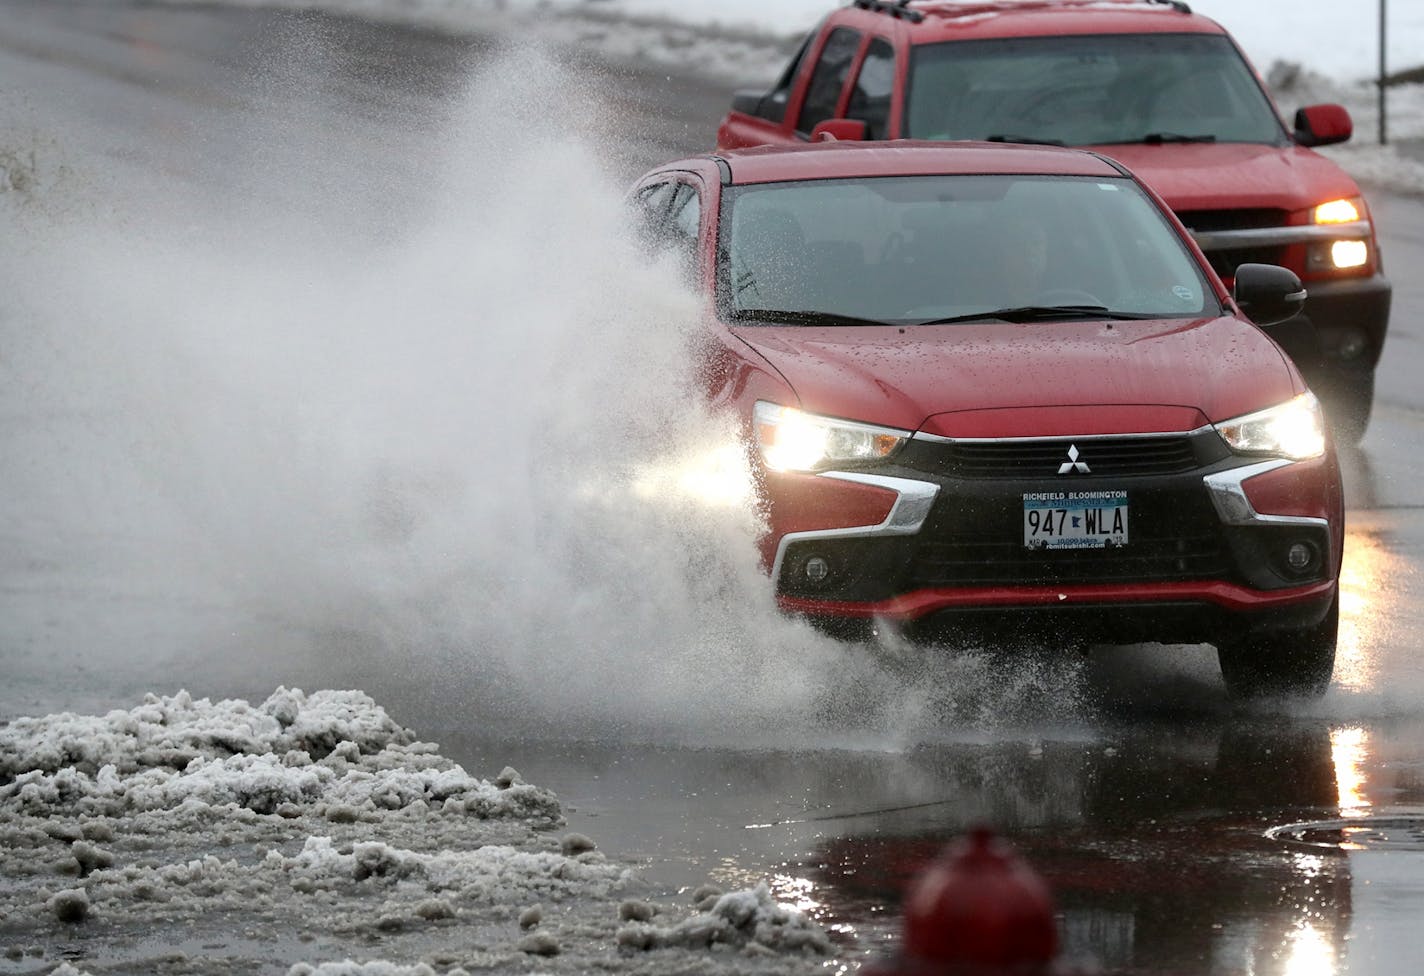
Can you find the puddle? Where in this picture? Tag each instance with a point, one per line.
(1356, 833)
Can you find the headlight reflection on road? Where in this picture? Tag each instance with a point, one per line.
(1309, 952)
(1349, 753)
(1364, 580)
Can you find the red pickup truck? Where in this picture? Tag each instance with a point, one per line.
(1163, 90)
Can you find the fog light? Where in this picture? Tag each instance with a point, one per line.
(1300, 557)
(1328, 257)
(817, 569)
(1352, 345)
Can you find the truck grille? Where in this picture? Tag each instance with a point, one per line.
(1225, 261)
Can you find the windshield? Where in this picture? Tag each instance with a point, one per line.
(910, 250)
(1094, 90)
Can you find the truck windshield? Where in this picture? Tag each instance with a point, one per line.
(914, 250)
(1089, 90)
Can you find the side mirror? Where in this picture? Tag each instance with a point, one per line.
(839, 130)
(1323, 125)
(758, 104)
(1269, 294)
(748, 101)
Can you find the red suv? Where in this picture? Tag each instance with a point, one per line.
(998, 387)
(1164, 90)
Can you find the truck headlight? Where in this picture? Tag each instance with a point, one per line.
(1294, 429)
(1351, 251)
(1340, 211)
(1338, 256)
(793, 440)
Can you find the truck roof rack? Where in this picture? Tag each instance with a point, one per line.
(895, 8)
(915, 10)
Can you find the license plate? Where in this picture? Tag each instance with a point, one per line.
(1075, 519)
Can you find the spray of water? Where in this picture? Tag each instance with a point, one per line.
(425, 424)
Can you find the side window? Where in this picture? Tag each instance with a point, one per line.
(649, 207)
(773, 106)
(870, 98)
(829, 78)
(685, 221)
(650, 202)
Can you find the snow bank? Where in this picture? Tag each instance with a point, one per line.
(336, 752)
(744, 919)
(305, 825)
(349, 968)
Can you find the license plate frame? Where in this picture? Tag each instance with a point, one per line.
(1068, 520)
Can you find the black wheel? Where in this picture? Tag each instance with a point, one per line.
(1349, 401)
(1291, 662)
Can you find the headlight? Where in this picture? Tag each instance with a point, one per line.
(1340, 211)
(1294, 429)
(1350, 253)
(1338, 256)
(792, 440)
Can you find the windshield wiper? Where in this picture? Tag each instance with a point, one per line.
(1158, 138)
(785, 316)
(1025, 140)
(1033, 313)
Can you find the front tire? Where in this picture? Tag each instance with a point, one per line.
(1297, 663)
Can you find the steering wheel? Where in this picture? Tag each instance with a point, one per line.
(1067, 296)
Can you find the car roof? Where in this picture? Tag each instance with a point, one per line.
(933, 21)
(842, 160)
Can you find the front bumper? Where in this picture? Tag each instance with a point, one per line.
(1346, 316)
(1351, 318)
(940, 541)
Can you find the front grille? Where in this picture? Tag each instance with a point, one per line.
(1250, 219)
(1225, 261)
(1173, 536)
(1114, 457)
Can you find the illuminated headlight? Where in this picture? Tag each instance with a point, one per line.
(1294, 429)
(1349, 254)
(792, 440)
(1340, 211)
(1339, 256)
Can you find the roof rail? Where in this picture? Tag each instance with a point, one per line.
(903, 10)
(895, 8)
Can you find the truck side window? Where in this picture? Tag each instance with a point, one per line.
(829, 78)
(773, 106)
(874, 86)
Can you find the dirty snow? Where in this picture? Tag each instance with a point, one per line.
(221, 823)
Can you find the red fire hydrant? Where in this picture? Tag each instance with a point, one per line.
(980, 910)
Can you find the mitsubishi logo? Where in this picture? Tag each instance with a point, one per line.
(1073, 465)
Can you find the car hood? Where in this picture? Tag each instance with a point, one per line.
(1223, 176)
(1038, 379)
